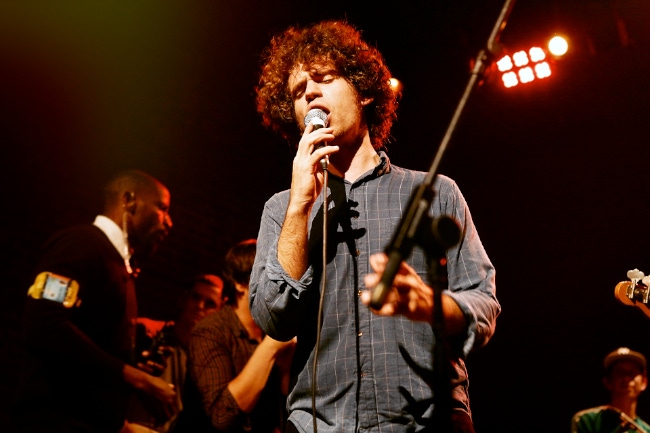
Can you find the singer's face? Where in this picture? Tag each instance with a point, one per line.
(320, 86)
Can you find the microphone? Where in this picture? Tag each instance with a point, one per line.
(318, 118)
(627, 422)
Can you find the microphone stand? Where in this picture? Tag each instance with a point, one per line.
(435, 236)
(626, 423)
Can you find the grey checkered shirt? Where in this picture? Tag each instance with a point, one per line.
(374, 373)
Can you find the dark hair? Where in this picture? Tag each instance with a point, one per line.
(332, 42)
(237, 268)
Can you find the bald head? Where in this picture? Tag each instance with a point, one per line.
(127, 182)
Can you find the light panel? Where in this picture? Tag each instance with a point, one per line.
(527, 66)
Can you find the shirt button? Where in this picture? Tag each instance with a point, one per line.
(358, 253)
(360, 334)
(361, 374)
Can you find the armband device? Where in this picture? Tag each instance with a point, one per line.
(57, 288)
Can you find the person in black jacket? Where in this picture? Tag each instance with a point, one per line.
(79, 317)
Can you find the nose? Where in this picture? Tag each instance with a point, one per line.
(168, 221)
(312, 91)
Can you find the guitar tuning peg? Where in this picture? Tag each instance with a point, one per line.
(646, 281)
(635, 274)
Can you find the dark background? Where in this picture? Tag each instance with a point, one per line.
(554, 172)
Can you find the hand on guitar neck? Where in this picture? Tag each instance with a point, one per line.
(635, 292)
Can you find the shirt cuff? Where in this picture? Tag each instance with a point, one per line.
(278, 275)
(470, 316)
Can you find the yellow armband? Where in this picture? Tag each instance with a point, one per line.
(56, 288)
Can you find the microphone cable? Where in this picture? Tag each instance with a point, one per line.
(319, 119)
(323, 284)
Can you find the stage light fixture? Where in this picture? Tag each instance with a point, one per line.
(509, 79)
(558, 46)
(397, 86)
(527, 66)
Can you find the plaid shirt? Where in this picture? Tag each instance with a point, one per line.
(373, 372)
(220, 347)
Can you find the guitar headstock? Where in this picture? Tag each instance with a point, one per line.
(636, 291)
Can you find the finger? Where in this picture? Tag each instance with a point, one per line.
(371, 280)
(365, 297)
(389, 308)
(407, 268)
(378, 262)
(154, 364)
(307, 141)
(144, 367)
(321, 149)
(165, 350)
(402, 285)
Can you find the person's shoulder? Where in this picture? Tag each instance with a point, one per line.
(404, 173)
(78, 250)
(443, 183)
(77, 233)
(589, 414)
(397, 170)
(589, 411)
(217, 320)
(80, 237)
(219, 327)
(279, 197)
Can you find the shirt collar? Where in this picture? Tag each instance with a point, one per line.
(243, 333)
(384, 164)
(114, 234)
(382, 167)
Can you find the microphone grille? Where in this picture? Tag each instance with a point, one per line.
(318, 114)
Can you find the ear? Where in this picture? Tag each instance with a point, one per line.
(241, 293)
(241, 289)
(644, 383)
(128, 202)
(366, 101)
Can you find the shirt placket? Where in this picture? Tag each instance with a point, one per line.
(366, 403)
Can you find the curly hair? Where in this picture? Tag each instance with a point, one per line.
(331, 42)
